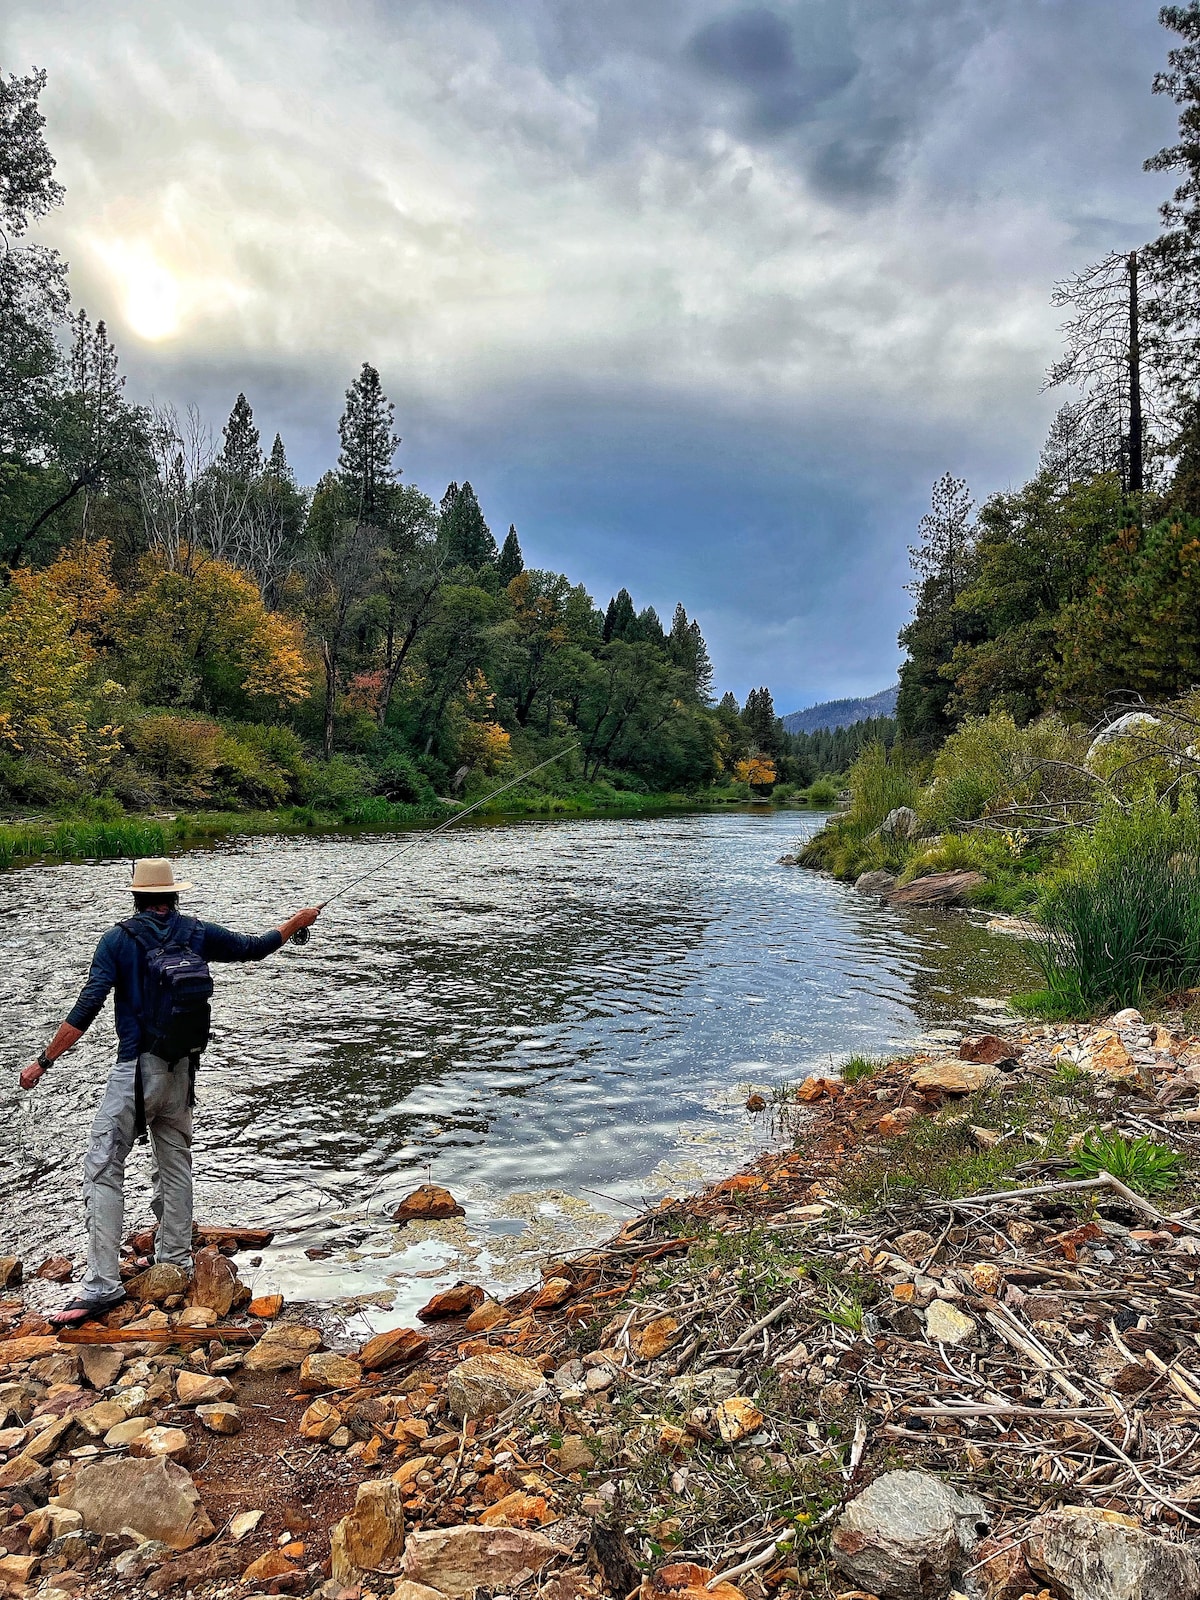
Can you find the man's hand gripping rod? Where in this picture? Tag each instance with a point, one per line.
(302, 935)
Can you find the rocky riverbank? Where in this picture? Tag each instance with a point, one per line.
(909, 1353)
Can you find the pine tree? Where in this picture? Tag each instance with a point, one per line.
(511, 560)
(648, 629)
(277, 468)
(687, 650)
(620, 620)
(763, 727)
(241, 455)
(365, 468)
(1175, 254)
(466, 537)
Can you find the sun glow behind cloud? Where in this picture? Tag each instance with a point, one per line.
(792, 287)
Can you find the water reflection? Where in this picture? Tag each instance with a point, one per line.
(536, 1010)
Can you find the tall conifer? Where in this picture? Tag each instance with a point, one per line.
(241, 455)
(511, 561)
(365, 468)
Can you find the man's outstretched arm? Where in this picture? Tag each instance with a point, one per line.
(100, 979)
(222, 944)
(58, 1046)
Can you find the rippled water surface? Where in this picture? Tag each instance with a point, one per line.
(552, 1019)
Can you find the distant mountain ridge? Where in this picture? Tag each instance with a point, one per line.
(842, 713)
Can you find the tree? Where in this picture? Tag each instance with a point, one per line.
(1175, 254)
(627, 697)
(342, 559)
(368, 446)
(511, 560)
(687, 650)
(620, 620)
(763, 728)
(466, 537)
(242, 455)
(942, 564)
(43, 715)
(410, 581)
(33, 282)
(1083, 442)
(534, 634)
(1106, 360)
(201, 636)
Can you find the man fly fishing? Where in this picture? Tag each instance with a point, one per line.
(156, 965)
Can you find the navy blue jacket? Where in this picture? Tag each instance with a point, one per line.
(116, 966)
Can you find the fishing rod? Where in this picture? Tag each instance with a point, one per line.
(302, 935)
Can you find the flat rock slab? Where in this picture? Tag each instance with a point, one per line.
(952, 1076)
(454, 1561)
(1090, 1554)
(157, 1497)
(906, 1535)
(283, 1347)
(938, 889)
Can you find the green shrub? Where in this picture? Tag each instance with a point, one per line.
(879, 781)
(1123, 916)
(335, 785)
(1140, 1164)
(990, 763)
(822, 792)
(178, 754)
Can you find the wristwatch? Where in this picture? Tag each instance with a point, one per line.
(44, 1061)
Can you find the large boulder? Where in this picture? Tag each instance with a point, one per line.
(949, 1075)
(878, 882)
(155, 1496)
(1130, 726)
(902, 822)
(455, 1561)
(907, 1535)
(485, 1384)
(371, 1538)
(936, 889)
(1085, 1553)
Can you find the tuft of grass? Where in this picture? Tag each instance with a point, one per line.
(860, 1067)
(1140, 1164)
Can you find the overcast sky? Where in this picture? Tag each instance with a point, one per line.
(701, 296)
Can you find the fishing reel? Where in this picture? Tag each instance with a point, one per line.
(302, 936)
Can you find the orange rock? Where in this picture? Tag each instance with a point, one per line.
(27, 1349)
(320, 1421)
(456, 1302)
(737, 1418)
(989, 1049)
(273, 1565)
(487, 1316)
(819, 1088)
(429, 1203)
(265, 1305)
(406, 1474)
(295, 1550)
(650, 1342)
(894, 1123)
(518, 1510)
(552, 1293)
(684, 1580)
(755, 1102)
(391, 1349)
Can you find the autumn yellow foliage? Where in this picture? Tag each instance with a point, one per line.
(203, 626)
(43, 668)
(757, 771)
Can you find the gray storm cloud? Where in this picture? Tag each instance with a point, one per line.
(701, 296)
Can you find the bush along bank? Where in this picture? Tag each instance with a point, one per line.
(937, 1293)
(1097, 839)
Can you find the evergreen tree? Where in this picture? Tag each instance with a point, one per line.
(763, 728)
(365, 468)
(466, 537)
(686, 648)
(511, 560)
(648, 629)
(277, 468)
(942, 563)
(241, 455)
(1175, 254)
(620, 620)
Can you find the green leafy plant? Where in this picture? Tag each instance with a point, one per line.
(860, 1067)
(1139, 1163)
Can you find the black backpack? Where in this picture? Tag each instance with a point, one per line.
(176, 989)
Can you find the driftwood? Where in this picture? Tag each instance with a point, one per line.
(226, 1334)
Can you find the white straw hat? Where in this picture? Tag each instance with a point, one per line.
(155, 873)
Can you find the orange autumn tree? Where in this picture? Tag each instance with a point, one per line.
(197, 634)
(756, 770)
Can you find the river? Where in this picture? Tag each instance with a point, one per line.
(553, 1019)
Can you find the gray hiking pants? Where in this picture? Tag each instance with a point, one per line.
(169, 1123)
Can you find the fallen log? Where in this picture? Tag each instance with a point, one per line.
(226, 1335)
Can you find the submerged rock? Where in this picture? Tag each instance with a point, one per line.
(937, 889)
(878, 882)
(429, 1203)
